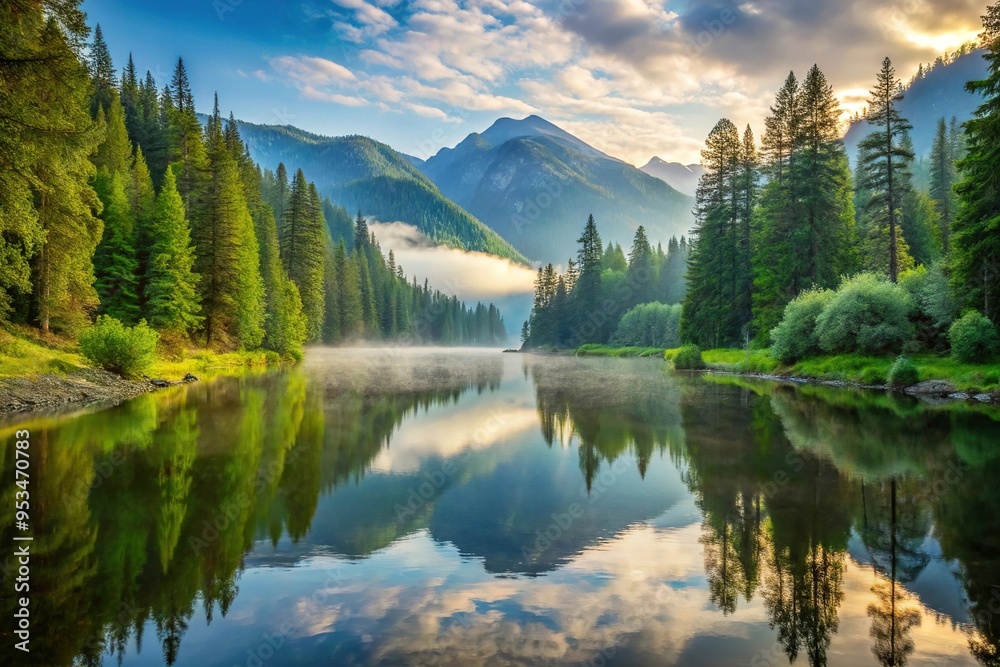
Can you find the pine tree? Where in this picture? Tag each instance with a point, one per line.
(303, 237)
(943, 180)
(362, 237)
(369, 311)
(227, 253)
(142, 199)
(885, 159)
(102, 72)
(171, 284)
(48, 225)
(975, 241)
(714, 270)
(114, 261)
(641, 274)
(351, 314)
(587, 293)
(187, 145)
(806, 229)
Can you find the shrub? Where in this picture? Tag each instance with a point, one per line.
(936, 307)
(688, 358)
(903, 373)
(127, 351)
(973, 338)
(649, 325)
(795, 337)
(869, 315)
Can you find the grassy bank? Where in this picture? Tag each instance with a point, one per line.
(858, 368)
(851, 368)
(24, 353)
(595, 350)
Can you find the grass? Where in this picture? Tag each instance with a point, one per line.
(861, 369)
(25, 353)
(852, 368)
(595, 350)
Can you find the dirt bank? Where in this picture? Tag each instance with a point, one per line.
(79, 388)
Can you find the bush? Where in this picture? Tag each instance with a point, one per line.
(795, 337)
(868, 315)
(973, 339)
(649, 325)
(127, 351)
(903, 373)
(936, 307)
(689, 358)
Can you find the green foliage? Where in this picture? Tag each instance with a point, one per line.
(936, 308)
(805, 222)
(795, 337)
(649, 325)
(903, 373)
(975, 241)
(974, 339)
(869, 315)
(717, 306)
(171, 289)
(127, 351)
(688, 358)
(114, 261)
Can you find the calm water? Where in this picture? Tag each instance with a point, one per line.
(467, 508)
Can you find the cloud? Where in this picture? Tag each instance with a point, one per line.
(468, 275)
(636, 78)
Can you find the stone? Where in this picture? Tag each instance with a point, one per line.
(959, 396)
(190, 378)
(931, 388)
(983, 398)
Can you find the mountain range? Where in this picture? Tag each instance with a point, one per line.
(522, 189)
(681, 177)
(363, 174)
(940, 93)
(535, 184)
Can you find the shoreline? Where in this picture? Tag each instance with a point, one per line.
(79, 388)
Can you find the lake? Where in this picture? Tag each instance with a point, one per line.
(466, 507)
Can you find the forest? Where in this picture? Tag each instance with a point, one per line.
(795, 251)
(119, 204)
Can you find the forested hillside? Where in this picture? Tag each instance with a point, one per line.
(795, 250)
(118, 202)
(358, 172)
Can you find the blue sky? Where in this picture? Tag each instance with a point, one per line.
(635, 78)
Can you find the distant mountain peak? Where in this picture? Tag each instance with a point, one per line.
(681, 177)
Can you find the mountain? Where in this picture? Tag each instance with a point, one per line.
(681, 177)
(360, 173)
(938, 94)
(535, 184)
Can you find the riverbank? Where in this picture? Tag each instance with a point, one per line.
(47, 373)
(938, 376)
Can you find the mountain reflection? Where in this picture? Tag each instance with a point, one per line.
(147, 516)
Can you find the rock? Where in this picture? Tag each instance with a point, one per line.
(190, 378)
(959, 396)
(983, 398)
(159, 383)
(931, 388)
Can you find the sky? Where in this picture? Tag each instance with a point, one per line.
(634, 78)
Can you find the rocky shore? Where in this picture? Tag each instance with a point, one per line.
(79, 388)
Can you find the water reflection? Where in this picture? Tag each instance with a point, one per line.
(388, 507)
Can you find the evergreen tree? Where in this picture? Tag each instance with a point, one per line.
(171, 286)
(587, 293)
(114, 261)
(369, 312)
(641, 274)
(975, 241)
(186, 146)
(351, 314)
(885, 159)
(943, 178)
(714, 272)
(303, 246)
(142, 198)
(227, 253)
(102, 72)
(806, 219)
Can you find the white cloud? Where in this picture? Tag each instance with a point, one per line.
(467, 275)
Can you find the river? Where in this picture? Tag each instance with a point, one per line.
(466, 507)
